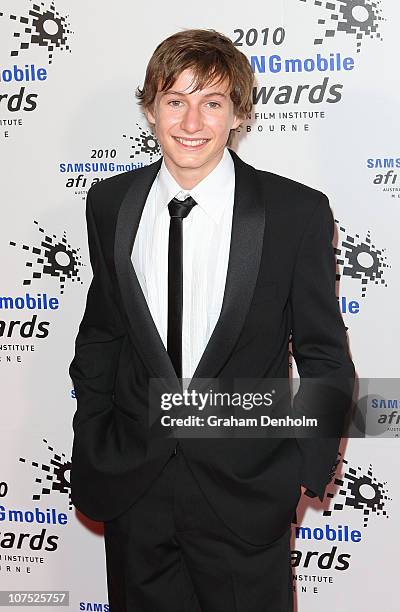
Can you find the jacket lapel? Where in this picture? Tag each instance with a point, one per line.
(142, 327)
(247, 236)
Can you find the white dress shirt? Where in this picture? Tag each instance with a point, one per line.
(206, 242)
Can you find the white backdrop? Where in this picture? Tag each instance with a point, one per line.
(72, 124)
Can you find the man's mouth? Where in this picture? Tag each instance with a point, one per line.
(192, 143)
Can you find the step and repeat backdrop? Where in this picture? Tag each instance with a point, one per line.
(326, 105)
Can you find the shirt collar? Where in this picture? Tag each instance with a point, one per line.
(211, 194)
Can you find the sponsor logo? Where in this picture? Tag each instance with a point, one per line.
(357, 18)
(51, 516)
(104, 162)
(144, 143)
(360, 259)
(296, 106)
(52, 256)
(31, 328)
(339, 533)
(41, 25)
(384, 174)
(52, 477)
(359, 490)
(93, 606)
(26, 533)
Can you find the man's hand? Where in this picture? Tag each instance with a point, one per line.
(308, 492)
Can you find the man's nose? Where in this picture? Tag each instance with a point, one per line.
(192, 120)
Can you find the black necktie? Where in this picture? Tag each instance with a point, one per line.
(178, 210)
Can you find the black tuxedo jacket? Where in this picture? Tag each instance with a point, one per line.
(280, 279)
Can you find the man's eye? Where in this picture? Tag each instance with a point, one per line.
(174, 102)
(214, 104)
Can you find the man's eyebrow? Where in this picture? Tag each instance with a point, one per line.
(181, 93)
(215, 93)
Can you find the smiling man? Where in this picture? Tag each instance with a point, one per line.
(192, 126)
(202, 268)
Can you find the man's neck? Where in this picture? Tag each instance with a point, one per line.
(188, 178)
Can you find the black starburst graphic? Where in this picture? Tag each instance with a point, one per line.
(42, 26)
(55, 257)
(53, 476)
(146, 143)
(362, 491)
(357, 18)
(361, 259)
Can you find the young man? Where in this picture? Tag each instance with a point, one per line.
(202, 266)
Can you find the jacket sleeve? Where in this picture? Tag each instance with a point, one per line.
(320, 349)
(99, 338)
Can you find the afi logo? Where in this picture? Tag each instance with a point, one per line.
(42, 26)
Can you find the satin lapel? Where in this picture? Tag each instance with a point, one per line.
(247, 236)
(143, 329)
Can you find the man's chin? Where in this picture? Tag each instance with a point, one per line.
(189, 160)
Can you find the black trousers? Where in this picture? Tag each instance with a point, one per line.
(170, 552)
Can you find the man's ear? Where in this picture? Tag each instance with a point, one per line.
(149, 116)
(236, 122)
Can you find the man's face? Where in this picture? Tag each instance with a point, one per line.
(192, 127)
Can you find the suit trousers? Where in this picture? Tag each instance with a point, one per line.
(170, 552)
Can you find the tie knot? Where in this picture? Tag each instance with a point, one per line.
(181, 208)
